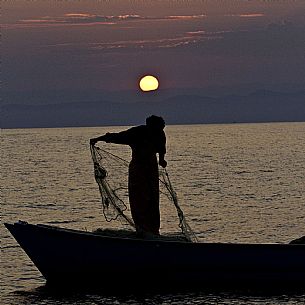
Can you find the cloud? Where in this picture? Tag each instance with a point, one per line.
(184, 39)
(273, 41)
(195, 33)
(281, 41)
(184, 17)
(86, 19)
(72, 19)
(144, 44)
(79, 19)
(250, 15)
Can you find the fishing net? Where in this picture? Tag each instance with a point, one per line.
(111, 172)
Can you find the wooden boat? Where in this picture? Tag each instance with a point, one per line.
(68, 257)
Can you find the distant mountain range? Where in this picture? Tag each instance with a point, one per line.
(259, 106)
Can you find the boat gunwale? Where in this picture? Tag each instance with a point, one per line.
(147, 240)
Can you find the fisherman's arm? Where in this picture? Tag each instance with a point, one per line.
(123, 137)
(162, 150)
(162, 161)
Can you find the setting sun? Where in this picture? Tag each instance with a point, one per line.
(149, 83)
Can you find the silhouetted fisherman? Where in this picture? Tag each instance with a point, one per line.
(143, 178)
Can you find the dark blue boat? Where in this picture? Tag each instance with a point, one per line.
(70, 257)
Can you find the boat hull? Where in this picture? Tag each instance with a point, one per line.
(77, 258)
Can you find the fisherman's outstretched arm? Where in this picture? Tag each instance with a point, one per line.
(123, 137)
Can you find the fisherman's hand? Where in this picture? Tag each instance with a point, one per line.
(93, 141)
(101, 138)
(163, 163)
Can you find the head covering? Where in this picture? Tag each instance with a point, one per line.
(155, 121)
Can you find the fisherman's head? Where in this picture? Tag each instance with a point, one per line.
(155, 122)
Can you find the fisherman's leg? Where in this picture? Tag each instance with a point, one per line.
(136, 195)
(152, 211)
(143, 186)
(155, 198)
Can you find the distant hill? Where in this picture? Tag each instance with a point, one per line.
(259, 106)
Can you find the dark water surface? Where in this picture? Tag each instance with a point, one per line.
(236, 183)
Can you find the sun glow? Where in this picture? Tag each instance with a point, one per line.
(149, 83)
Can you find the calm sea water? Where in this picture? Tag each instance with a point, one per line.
(236, 183)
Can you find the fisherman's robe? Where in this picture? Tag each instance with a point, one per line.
(143, 178)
